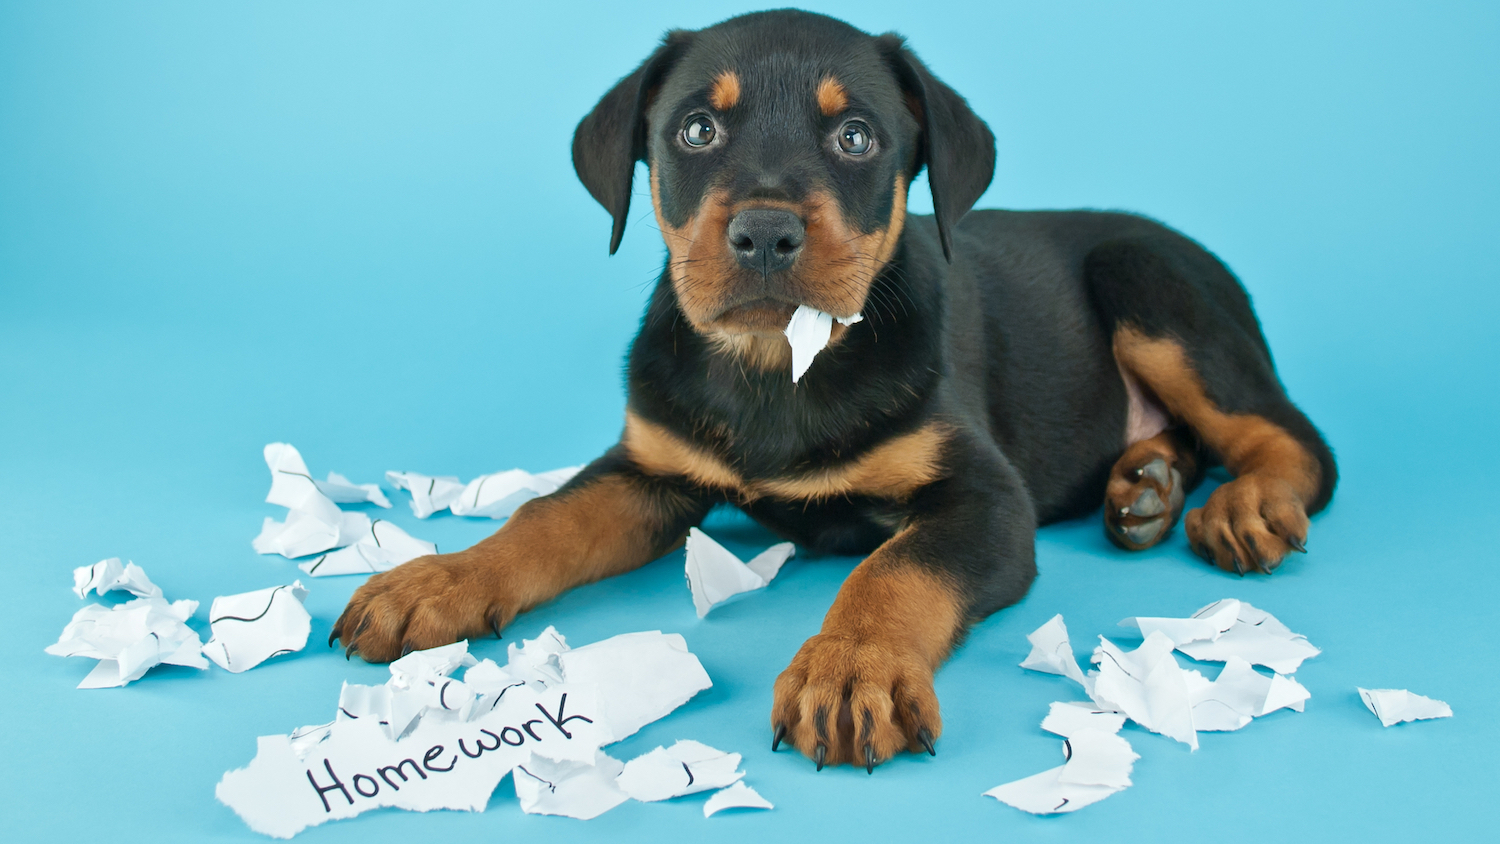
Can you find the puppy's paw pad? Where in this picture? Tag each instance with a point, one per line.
(1143, 501)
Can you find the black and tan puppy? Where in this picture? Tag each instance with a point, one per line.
(1012, 368)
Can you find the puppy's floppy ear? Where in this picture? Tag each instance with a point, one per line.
(612, 138)
(956, 146)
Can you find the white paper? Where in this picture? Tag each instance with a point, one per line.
(640, 676)
(1240, 694)
(571, 789)
(737, 796)
(494, 496)
(109, 575)
(497, 496)
(1051, 651)
(1099, 764)
(251, 627)
(1392, 706)
(1206, 624)
(429, 494)
(341, 490)
(1065, 719)
(686, 767)
(1256, 637)
(129, 639)
(313, 522)
(381, 548)
(442, 764)
(808, 333)
(1148, 685)
(715, 574)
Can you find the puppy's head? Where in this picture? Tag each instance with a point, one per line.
(780, 147)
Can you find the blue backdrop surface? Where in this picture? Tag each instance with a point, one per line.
(355, 227)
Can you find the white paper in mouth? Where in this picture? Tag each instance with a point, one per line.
(808, 334)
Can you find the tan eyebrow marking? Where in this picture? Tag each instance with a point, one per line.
(832, 98)
(725, 91)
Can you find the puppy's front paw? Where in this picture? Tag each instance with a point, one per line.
(424, 603)
(856, 701)
(1250, 522)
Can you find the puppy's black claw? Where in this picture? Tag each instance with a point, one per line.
(495, 624)
(333, 637)
(407, 647)
(347, 651)
(820, 755)
(869, 759)
(925, 737)
(1297, 545)
(1239, 567)
(776, 739)
(1263, 567)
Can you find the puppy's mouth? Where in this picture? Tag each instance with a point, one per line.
(756, 316)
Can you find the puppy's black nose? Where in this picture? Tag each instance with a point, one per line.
(766, 240)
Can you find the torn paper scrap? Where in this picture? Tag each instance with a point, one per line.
(640, 676)
(714, 573)
(1065, 719)
(1096, 757)
(1206, 624)
(536, 660)
(442, 764)
(1099, 764)
(286, 463)
(1393, 706)
(808, 333)
(1240, 694)
(1258, 638)
(341, 490)
(737, 796)
(571, 789)
(496, 496)
(1051, 652)
(251, 627)
(381, 548)
(686, 767)
(429, 494)
(109, 575)
(1146, 684)
(313, 522)
(131, 638)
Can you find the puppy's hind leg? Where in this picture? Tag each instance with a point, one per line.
(1182, 325)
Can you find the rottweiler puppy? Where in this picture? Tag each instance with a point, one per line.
(1011, 369)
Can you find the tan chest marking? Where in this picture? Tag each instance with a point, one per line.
(894, 469)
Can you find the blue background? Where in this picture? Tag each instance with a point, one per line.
(355, 227)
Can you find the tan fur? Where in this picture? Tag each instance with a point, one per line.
(550, 545)
(1250, 520)
(894, 469)
(833, 273)
(866, 678)
(832, 98)
(725, 92)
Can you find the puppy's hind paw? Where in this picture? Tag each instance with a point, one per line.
(1143, 500)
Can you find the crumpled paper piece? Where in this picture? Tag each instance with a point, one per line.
(715, 574)
(130, 639)
(251, 627)
(109, 576)
(808, 332)
(1393, 706)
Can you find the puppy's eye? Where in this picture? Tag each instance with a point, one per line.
(854, 138)
(699, 131)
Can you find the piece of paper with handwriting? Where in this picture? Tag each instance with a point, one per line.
(444, 763)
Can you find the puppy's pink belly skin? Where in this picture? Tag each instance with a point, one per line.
(1144, 417)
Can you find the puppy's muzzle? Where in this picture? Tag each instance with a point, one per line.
(766, 240)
